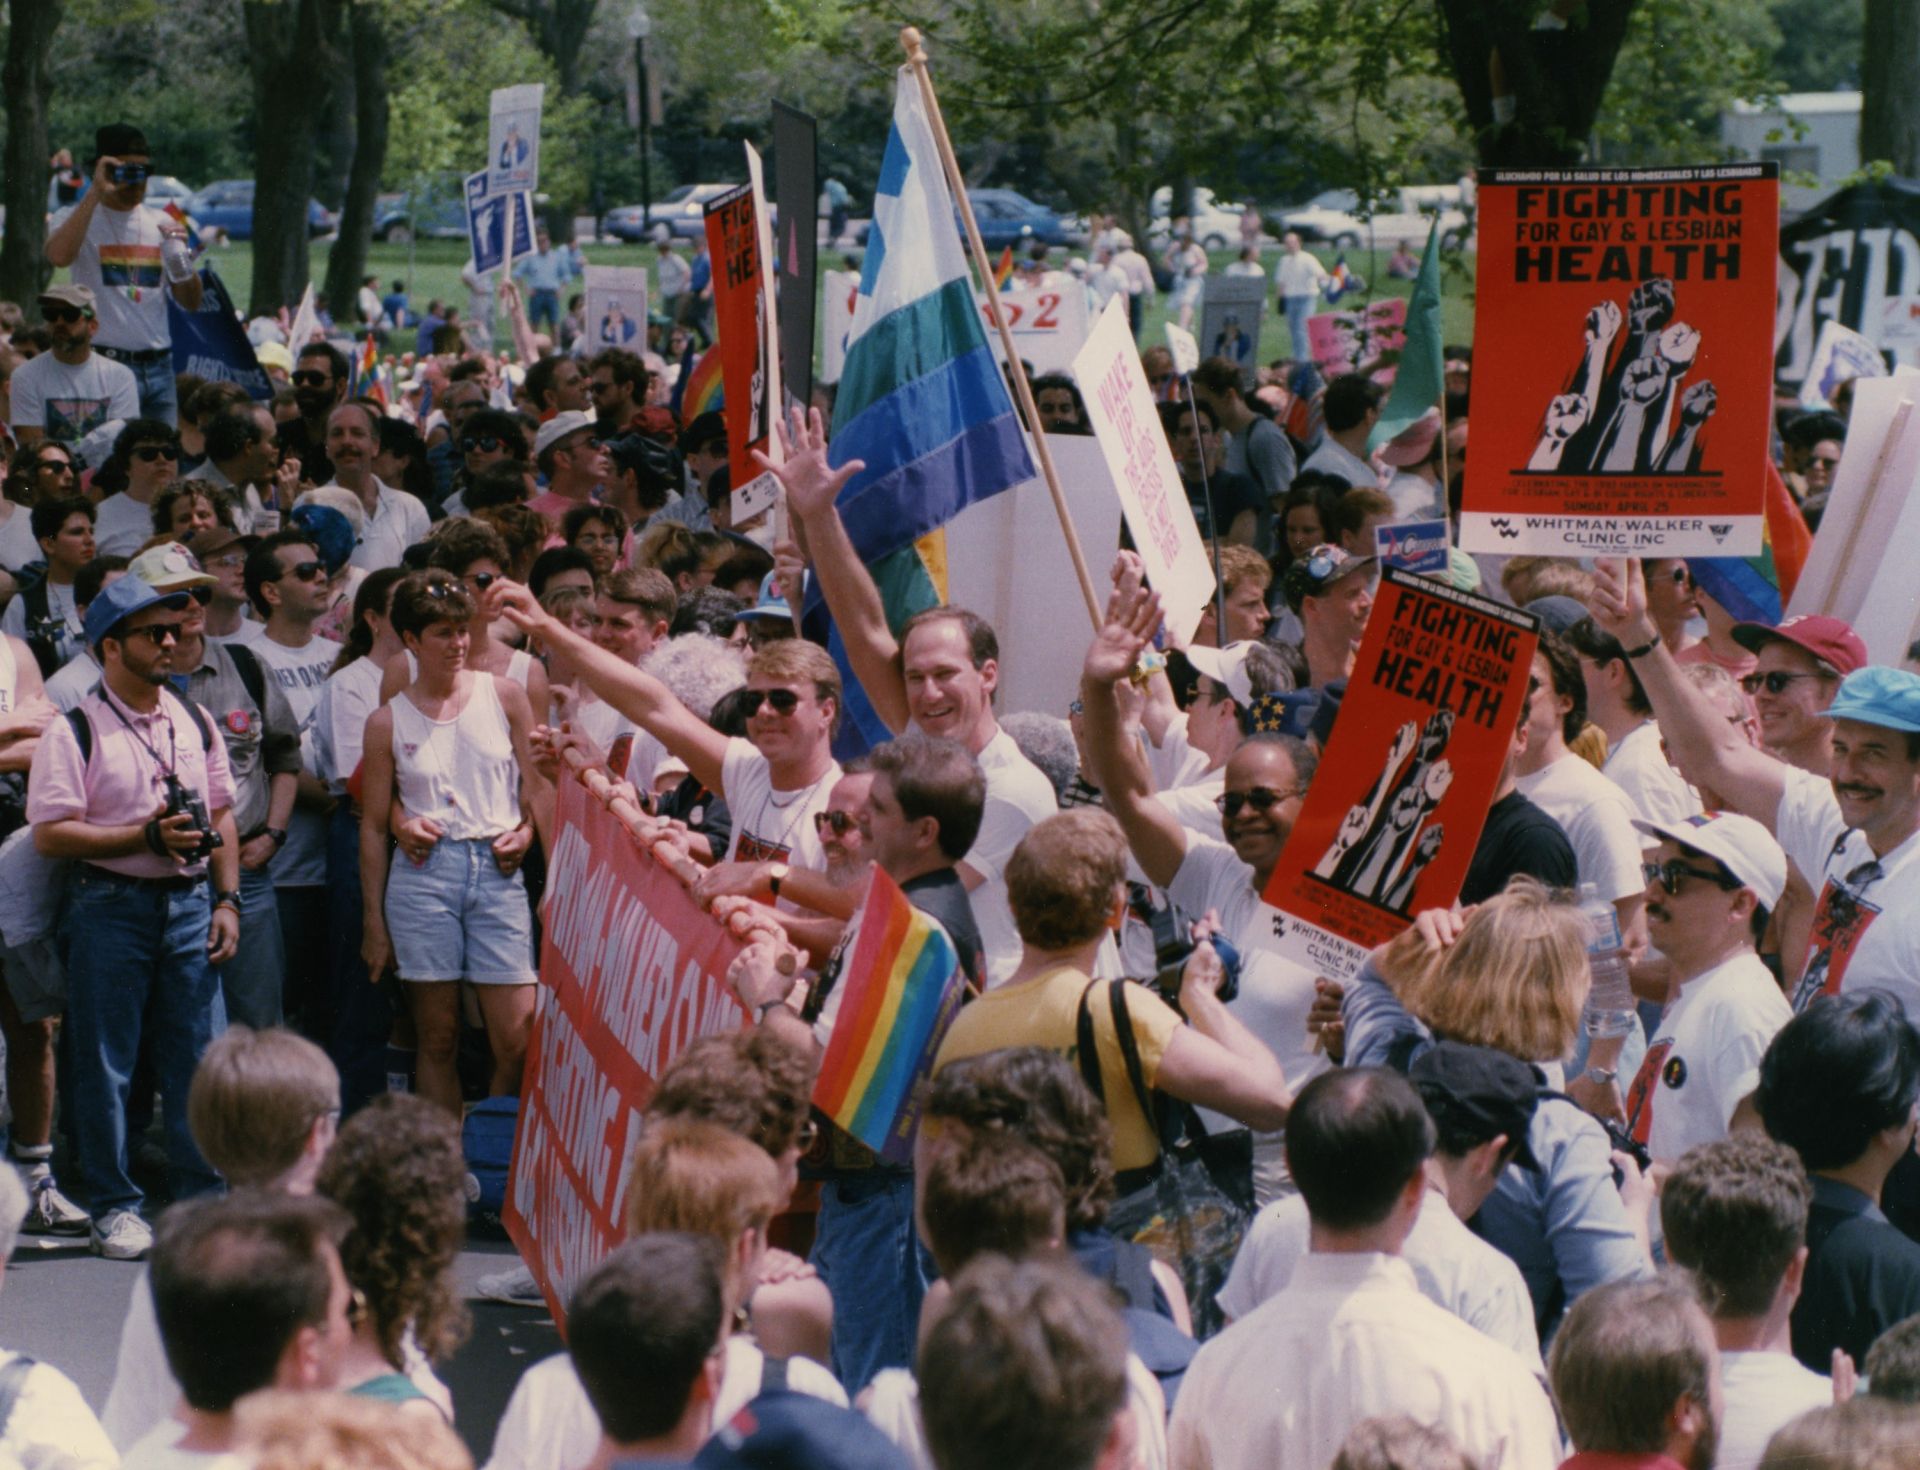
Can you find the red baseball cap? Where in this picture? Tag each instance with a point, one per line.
(1829, 639)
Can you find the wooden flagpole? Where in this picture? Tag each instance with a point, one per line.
(917, 58)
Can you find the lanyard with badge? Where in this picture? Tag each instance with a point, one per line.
(179, 799)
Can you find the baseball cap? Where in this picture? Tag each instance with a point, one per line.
(1414, 443)
(332, 533)
(70, 294)
(1312, 574)
(169, 568)
(1739, 844)
(216, 539)
(704, 429)
(572, 421)
(785, 1430)
(1877, 695)
(771, 604)
(1557, 613)
(1825, 638)
(1227, 667)
(119, 140)
(274, 355)
(1487, 1090)
(119, 600)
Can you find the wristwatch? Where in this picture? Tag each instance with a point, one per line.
(277, 834)
(1605, 1076)
(227, 900)
(776, 875)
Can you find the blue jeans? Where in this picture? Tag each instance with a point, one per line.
(867, 1251)
(136, 959)
(159, 395)
(1298, 309)
(250, 981)
(543, 305)
(362, 1009)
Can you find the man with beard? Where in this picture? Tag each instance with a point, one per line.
(1637, 1377)
(71, 390)
(319, 382)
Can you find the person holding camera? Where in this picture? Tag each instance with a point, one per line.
(131, 256)
(135, 788)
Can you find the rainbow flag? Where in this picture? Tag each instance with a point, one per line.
(1757, 589)
(703, 390)
(364, 374)
(1003, 269)
(1340, 280)
(179, 216)
(900, 984)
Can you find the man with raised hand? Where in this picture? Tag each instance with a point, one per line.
(939, 677)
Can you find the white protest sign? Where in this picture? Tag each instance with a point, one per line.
(1860, 568)
(1230, 315)
(1839, 356)
(757, 495)
(616, 307)
(1049, 325)
(836, 321)
(305, 319)
(1121, 410)
(1900, 324)
(1185, 350)
(513, 139)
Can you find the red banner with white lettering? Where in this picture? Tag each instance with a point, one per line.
(631, 971)
(740, 309)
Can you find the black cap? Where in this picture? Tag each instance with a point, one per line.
(704, 429)
(1484, 1091)
(118, 140)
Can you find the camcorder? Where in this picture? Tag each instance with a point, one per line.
(129, 173)
(182, 801)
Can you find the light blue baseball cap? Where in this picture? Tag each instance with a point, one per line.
(1877, 695)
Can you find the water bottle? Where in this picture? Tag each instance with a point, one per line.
(1610, 1000)
(176, 258)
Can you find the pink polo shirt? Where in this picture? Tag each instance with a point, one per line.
(122, 782)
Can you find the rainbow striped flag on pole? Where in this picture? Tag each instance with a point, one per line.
(900, 984)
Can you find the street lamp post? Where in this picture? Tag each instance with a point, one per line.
(640, 26)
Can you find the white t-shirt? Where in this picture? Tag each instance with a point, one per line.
(17, 546)
(59, 605)
(398, 520)
(69, 402)
(51, 1427)
(1275, 992)
(302, 675)
(1705, 1056)
(1866, 928)
(1453, 1267)
(121, 525)
(160, 1450)
(1336, 459)
(550, 1424)
(769, 825)
(120, 261)
(340, 720)
(1298, 274)
(1764, 1392)
(1018, 796)
(1598, 820)
(1640, 768)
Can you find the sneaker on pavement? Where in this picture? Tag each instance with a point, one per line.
(52, 1213)
(516, 1288)
(122, 1236)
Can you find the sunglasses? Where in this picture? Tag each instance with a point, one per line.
(306, 571)
(482, 444)
(483, 580)
(65, 314)
(784, 701)
(1669, 874)
(310, 379)
(1774, 681)
(151, 452)
(1260, 798)
(201, 595)
(838, 823)
(158, 634)
(54, 466)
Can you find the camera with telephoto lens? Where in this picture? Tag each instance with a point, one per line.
(181, 801)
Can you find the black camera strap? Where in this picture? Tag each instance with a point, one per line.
(165, 767)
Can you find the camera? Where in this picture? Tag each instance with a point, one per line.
(182, 801)
(128, 173)
(1169, 978)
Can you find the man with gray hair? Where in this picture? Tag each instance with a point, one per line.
(44, 1422)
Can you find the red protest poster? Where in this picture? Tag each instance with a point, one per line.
(1623, 361)
(1395, 810)
(740, 321)
(631, 971)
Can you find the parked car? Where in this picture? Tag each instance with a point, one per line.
(1006, 217)
(226, 208)
(1216, 225)
(683, 211)
(437, 210)
(1401, 215)
(165, 189)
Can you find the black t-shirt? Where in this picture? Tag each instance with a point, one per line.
(315, 467)
(1862, 1276)
(1231, 495)
(1518, 838)
(944, 896)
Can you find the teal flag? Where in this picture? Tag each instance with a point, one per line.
(1420, 381)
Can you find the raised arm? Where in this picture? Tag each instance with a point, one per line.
(1704, 745)
(1158, 841)
(640, 697)
(812, 486)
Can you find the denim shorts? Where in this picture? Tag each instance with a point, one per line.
(457, 917)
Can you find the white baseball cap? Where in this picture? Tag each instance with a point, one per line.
(571, 421)
(1739, 844)
(1227, 667)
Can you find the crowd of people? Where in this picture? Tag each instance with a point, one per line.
(286, 694)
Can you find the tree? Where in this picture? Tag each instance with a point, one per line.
(347, 262)
(290, 44)
(559, 28)
(1889, 107)
(28, 81)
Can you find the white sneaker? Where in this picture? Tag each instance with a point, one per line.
(51, 1212)
(122, 1236)
(516, 1288)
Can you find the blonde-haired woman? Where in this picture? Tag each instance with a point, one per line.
(1511, 974)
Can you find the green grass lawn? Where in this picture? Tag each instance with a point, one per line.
(431, 268)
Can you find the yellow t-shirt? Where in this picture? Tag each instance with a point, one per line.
(1044, 1011)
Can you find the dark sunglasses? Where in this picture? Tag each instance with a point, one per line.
(1669, 874)
(311, 379)
(201, 595)
(65, 313)
(306, 571)
(151, 452)
(838, 823)
(1261, 799)
(1774, 681)
(158, 634)
(483, 580)
(54, 466)
(784, 701)
(482, 444)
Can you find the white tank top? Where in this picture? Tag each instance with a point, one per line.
(461, 772)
